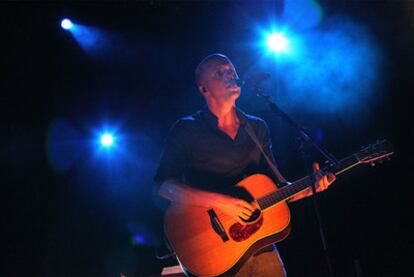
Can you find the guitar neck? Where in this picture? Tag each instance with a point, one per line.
(288, 191)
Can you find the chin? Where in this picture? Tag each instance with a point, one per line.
(232, 94)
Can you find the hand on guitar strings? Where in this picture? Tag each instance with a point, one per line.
(236, 208)
(322, 179)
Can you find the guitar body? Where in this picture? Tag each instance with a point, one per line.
(210, 243)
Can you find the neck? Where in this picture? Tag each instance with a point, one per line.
(225, 112)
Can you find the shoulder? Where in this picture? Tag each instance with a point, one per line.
(183, 126)
(185, 122)
(256, 122)
(188, 122)
(258, 125)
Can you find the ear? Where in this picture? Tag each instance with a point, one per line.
(202, 89)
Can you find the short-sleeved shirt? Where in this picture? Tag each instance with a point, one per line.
(201, 155)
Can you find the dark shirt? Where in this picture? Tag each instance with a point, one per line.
(200, 155)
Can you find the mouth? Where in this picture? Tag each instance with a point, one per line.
(232, 83)
(232, 86)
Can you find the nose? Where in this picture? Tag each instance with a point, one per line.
(231, 79)
(231, 75)
(234, 82)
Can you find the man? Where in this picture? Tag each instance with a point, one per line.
(212, 149)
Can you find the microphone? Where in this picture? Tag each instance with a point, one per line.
(253, 82)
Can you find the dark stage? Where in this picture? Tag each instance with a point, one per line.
(74, 207)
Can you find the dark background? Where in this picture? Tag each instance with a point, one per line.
(80, 219)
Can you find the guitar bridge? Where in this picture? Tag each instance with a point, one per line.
(217, 226)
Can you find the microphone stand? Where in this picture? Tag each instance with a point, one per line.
(305, 139)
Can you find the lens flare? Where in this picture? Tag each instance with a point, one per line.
(107, 140)
(66, 24)
(277, 42)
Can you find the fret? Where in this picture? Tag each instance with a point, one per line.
(284, 193)
(343, 165)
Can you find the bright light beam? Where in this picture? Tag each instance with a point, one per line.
(66, 24)
(277, 43)
(107, 140)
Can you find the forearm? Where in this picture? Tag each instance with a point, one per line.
(176, 191)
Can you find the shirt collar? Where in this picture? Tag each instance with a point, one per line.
(213, 120)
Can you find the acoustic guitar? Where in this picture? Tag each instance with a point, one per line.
(208, 242)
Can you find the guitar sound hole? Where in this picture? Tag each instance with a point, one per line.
(254, 216)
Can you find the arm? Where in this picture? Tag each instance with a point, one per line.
(176, 191)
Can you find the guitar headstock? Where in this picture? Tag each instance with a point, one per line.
(376, 152)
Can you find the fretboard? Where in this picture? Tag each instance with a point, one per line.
(288, 191)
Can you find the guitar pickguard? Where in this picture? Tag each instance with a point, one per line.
(238, 232)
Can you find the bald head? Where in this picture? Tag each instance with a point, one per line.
(207, 63)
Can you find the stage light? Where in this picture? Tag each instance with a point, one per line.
(66, 24)
(277, 42)
(138, 239)
(107, 140)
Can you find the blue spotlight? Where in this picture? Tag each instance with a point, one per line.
(277, 43)
(66, 24)
(107, 140)
(138, 239)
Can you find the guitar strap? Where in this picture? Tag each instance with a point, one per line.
(251, 133)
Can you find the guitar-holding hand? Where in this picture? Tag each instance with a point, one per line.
(176, 191)
(233, 207)
(322, 181)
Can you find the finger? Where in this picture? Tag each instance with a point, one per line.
(318, 177)
(238, 219)
(325, 182)
(247, 212)
(241, 217)
(315, 166)
(321, 185)
(255, 205)
(246, 205)
(331, 177)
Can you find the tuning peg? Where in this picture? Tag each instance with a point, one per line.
(328, 163)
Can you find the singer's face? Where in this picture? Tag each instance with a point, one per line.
(220, 82)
